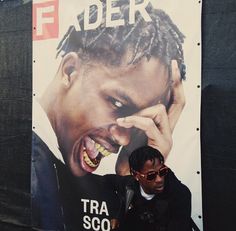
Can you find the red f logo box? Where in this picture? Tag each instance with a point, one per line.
(45, 20)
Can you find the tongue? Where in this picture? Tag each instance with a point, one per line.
(89, 144)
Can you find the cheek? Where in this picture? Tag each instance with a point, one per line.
(166, 100)
(98, 112)
(144, 184)
(86, 111)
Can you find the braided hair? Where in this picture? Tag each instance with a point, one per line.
(159, 38)
(140, 155)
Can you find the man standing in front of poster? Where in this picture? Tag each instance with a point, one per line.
(152, 198)
(112, 84)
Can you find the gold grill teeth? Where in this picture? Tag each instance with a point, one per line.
(88, 160)
(105, 153)
(102, 150)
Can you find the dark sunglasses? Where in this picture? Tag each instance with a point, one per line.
(153, 174)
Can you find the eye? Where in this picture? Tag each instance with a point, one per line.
(120, 108)
(118, 104)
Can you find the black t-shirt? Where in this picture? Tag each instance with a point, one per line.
(89, 203)
(61, 201)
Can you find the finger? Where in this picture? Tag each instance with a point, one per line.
(156, 139)
(143, 123)
(178, 98)
(159, 115)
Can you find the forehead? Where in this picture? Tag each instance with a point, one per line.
(144, 82)
(151, 165)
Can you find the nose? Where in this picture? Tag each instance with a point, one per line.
(120, 135)
(159, 179)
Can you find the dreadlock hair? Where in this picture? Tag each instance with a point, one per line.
(139, 156)
(159, 38)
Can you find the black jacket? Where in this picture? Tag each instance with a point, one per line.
(168, 211)
(61, 201)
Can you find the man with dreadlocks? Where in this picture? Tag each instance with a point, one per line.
(114, 86)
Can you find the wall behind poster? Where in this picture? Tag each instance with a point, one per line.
(184, 158)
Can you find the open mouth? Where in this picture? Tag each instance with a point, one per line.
(92, 154)
(160, 188)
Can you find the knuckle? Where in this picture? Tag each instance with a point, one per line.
(150, 123)
(161, 108)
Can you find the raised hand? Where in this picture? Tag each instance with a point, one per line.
(154, 124)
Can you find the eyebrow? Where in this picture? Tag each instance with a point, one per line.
(130, 102)
(123, 96)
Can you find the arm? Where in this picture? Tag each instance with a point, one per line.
(118, 185)
(156, 124)
(180, 218)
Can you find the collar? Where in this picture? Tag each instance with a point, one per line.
(145, 195)
(43, 128)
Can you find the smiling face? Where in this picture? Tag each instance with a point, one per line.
(93, 97)
(151, 186)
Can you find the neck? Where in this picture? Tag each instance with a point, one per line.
(48, 102)
(147, 196)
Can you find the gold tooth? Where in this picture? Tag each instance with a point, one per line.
(88, 161)
(97, 145)
(101, 149)
(105, 153)
(108, 153)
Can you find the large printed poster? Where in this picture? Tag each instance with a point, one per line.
(116, 115)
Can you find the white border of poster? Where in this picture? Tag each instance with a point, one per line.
(185, 157)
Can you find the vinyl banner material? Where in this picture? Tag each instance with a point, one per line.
(116, 115)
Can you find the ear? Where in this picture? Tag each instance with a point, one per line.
(69, 68)
(134, 174)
